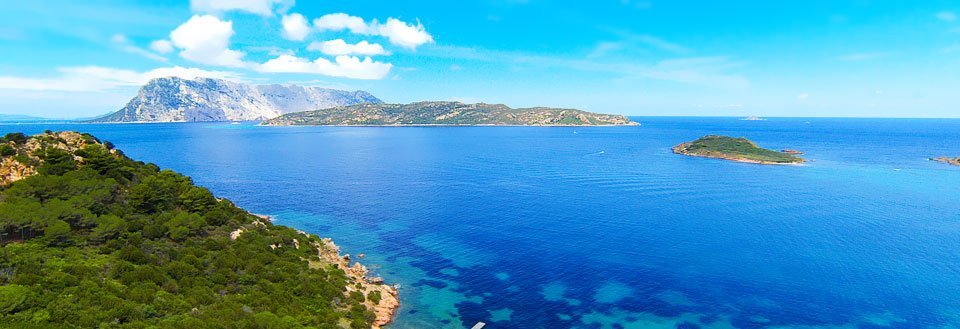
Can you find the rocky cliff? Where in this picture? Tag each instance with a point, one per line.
(183, 100)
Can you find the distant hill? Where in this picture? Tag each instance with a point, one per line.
(186, 100)
(447, 113)
(22, 118)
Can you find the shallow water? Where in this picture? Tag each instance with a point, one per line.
(603, 227)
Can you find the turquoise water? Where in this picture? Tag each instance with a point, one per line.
(604, 227)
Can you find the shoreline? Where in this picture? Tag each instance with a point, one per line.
(632, 124)
(681, 150)
(328, 254)
(947, 160)
(636, 124)
(389, 302)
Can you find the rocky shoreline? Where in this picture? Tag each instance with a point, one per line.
(683, 150)
(949, 161)
(389, 301)
(329, 254)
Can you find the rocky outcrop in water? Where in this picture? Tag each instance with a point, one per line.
(950, 161)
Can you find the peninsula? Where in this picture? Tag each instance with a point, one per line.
(947, 160)
(90, 237)
(735, 149)
(446, 113)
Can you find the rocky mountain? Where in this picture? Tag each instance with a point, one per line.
(177, 100)
(447, 113)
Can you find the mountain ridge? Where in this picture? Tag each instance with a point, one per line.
(173, 99)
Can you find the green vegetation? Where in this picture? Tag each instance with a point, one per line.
(447, 113)
(737, 149)
(97, 240)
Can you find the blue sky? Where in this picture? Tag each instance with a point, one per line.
(635, 57)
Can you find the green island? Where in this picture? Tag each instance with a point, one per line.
(446, 113)
(93, 239)
(948, 160)
(735, 149)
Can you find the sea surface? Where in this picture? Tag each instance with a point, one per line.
(603, 227)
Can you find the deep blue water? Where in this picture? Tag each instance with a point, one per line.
(603, 227)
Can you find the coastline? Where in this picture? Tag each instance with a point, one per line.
(681, 149)
(389, 302)
(328, 253)
(633, 123)
(946, 160)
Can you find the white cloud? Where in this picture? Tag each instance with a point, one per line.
(99, 79)
(162, 46)
(345, 66)
(125, 45)
(947, 16)
(403, 34)
(339, 47)
(205, 39)
(803, 96)
(396, 31)
(455, 67)
(341, 21)
(295, 27)
(259, 7)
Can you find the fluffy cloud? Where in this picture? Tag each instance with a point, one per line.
(295, 27)
(205, 39)
(345, 66)
(396, 31)
(403, 34)
(99, 79)
(162, 46)
(341, 21)
(259, 7)
(339, 47)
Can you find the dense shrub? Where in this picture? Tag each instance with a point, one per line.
(113, 243)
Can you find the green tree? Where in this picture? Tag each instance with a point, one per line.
(57, 232)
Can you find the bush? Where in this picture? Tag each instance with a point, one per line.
(12, 297)
(7, 150)
(16, 138)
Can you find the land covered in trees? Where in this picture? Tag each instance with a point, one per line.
(94, 239)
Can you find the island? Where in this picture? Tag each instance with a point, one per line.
(91, 238)
(735, 149)
(446, 113)
(948, 160)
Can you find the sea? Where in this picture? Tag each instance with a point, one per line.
(604, 227)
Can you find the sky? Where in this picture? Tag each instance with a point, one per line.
(815, 58)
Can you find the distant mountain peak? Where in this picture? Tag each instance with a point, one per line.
(175, 99)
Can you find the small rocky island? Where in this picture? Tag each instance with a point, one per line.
(735, 149)
(948, 160)
(446, 113)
